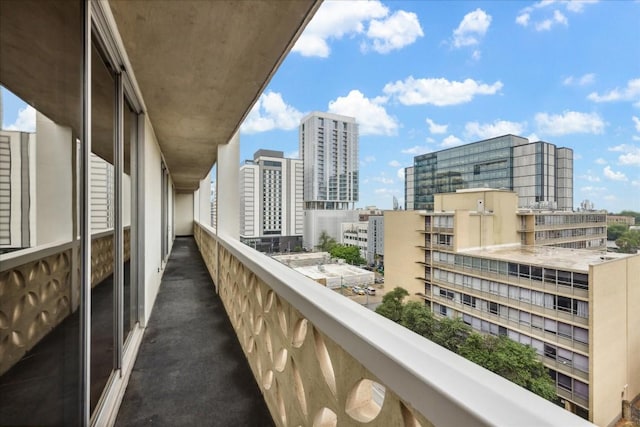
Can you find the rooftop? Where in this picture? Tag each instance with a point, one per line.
(332, 271)
(547, 256)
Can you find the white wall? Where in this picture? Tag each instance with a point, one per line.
(184, 214)
(151, 221)
(317, 221)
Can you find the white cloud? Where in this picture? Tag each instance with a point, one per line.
(337, 19)
(439, 92)
(490, 130)
(382, 179)
(523, 19)
(612, 175)
(610, 197)
(472, 28)
(569, 122)
(292, 155)
(584, 80)
(637, 122)
(400, 174)
(534, 138)
(25, 122)
(629, 93)
(578, 5)
(547, 24)
(271, 112)
(416, 150)
(590, 177)
(369, 159)
(476, 55)
(370, 114)
(394, 164)
(600, 161)
(398, 30)
(592, 190)
(635, 183)
(526, 15)
(436, 128)
(450, 141)
(630, 156)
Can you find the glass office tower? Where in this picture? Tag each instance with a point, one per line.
(539, 172)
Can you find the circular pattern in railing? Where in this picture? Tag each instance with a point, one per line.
(304, 381)
(325, 418)
(365, 400)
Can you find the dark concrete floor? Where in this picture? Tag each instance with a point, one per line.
(190, 369)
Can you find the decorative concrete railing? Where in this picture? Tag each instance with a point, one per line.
(323, 360)
(37, 290)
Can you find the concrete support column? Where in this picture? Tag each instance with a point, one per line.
(54, 182)
(203, 196)
(227, 182)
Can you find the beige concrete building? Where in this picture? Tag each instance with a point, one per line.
(620, 219)
(575, 230)
(577, 308)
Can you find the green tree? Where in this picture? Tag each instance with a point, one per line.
(510, 359)
(325, 242)
(614, 231)
(451, 333)
(629, 242)
(351, 254)
(514, 361)
(417, 317)
(392, 306)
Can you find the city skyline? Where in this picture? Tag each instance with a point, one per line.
(423, 76)
(458, 72)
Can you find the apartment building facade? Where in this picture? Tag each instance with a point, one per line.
(621, 219)
(328, 146)
(540, 172)
(271, 215)
(576, 230)
(576, 308)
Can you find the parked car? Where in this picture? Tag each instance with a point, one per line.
(358, 290)
(370, 291)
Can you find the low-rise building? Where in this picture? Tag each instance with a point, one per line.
(579, 309)
(620, 219)
(355, 234)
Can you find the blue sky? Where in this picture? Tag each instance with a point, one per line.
(425, 75)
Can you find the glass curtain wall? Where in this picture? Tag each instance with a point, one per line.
(43, 329)
(41, 63)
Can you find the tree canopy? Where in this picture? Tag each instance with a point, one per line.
(614, 231)
(326, 242)
(351, 254)
(629, 242)
(514, 361)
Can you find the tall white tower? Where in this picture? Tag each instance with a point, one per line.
(329, 152)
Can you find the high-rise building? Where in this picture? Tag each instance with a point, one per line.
(575, 307)
(271, 217)
(328, 145)
(329, 151)
(540, 172)
(409, 188)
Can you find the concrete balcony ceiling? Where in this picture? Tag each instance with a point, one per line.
(201, 65)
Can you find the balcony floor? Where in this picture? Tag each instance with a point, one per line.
(190, 368)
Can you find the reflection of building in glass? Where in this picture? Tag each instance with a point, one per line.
(539, 172)
(271, 217)
(16, 178)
